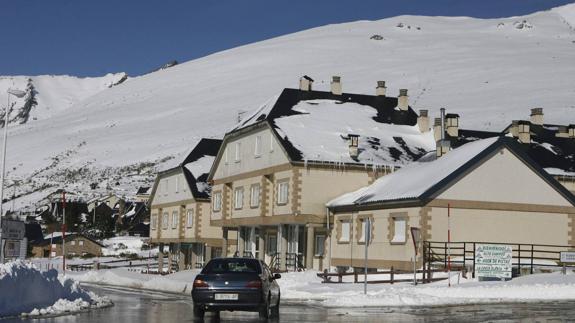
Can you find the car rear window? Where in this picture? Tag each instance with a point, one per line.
(221, 266)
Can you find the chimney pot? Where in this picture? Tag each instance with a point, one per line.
(537, 116)
(452, 121)
(572, 131)
(437, 129)
(562, 131)
(353, 146)
(402, 100)
(524, 132)
(423, 121)
(305, 83)
(443, 147)
(336, 85)
(380, 89)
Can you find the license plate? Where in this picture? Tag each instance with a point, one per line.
(226, 297)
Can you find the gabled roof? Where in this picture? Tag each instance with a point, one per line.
(315, 126)
(56, 238)
(422, 181)
(195, 167)
(555, 154)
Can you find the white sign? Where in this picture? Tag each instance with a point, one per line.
(568, 256)
(493, 260)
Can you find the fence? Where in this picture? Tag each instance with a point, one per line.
(392, 273)
(529, 257)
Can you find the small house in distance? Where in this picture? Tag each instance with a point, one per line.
(77, 244)
(493, 191)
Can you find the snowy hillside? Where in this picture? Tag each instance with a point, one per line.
(489, 71)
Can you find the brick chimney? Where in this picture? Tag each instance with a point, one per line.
(537, 116)
(353, 146)
(523, 131)
(442, 147)
(336, 85)
(437, 129)
(423, 121)
(452, 124)
(380, 89)
(305, 83)
(514, 129)
(402, 100)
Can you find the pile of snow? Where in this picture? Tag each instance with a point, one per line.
(24, 289)
(307, 287)
(128, 245)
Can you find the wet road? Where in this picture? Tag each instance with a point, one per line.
(135, 307)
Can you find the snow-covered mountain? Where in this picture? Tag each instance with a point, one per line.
(489, 71)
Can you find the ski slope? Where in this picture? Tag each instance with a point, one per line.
(490, 71)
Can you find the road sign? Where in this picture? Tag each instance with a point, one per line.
(568, 256)
(492, 260)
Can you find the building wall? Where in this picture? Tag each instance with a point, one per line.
(521, 184)
(568, 182)
(272, 154)
(77, 247)
(171, 188)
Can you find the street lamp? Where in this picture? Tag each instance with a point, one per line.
(18, 94)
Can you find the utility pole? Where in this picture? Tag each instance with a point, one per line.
(64, 232)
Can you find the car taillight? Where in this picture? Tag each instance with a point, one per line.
(198, 283)
(254, 284)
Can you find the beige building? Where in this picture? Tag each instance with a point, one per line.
(180, 210)
(494, 192)
(276, 170)
(76, 245)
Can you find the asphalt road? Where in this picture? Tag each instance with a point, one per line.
(140, 307)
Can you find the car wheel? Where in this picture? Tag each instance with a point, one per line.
(198, 311)
(276, 309)
(265, 310)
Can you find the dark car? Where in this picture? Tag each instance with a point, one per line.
(236, 284)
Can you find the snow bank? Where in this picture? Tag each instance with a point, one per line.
(127, 245)
(307, 287)
(24, 289)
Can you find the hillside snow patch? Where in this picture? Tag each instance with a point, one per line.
(25, 289)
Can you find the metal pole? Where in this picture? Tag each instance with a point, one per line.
(367, 238)
(6, 114)
(64, 232)
(449, 244)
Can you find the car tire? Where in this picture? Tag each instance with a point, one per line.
(264, 311)
(276, 309)
(198, 312)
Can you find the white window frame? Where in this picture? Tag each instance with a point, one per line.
(361, 237)
(73, 242)
(81, 242)
(399, 230)
(271, 142)
(345, 230)
(217, 204)
(282, 193)
(238, 154)
(238, 198)
(165, 188)
(177, 184)
(190, 218)
(175, 219)
(258, 147)
(319, 238)
(165, 220)
(154, 221)
(255, 195)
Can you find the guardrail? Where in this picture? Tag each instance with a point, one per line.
(327, 277)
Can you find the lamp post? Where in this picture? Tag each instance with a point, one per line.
(18, 94)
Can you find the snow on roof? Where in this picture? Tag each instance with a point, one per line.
(200, 166)
(414, 180)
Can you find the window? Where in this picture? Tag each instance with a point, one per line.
(72, 243)
(258, 148)
(217, 201)
(283, 192)
(165, 221)
(361, 236)
(81, 242)
(345, 228)
(226, 158)
(319, 245)
(190, 220)
(177, 184)
(53, 246)
(255, 195)
(174, 219)
(53, 254)
(154, 221)
(399, 229)
(271, 142)
(239, 198)
(238, 151)
(272, 245)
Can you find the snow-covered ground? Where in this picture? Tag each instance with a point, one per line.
(307, 287)
(474, 67)
(24, 290)
(128, 245)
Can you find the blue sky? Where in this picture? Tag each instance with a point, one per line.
(94, 37)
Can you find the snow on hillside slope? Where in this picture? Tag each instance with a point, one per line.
(54, 94)
(490, 71)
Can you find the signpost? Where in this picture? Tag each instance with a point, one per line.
(567, 257)
(416, 238)
(493, 261)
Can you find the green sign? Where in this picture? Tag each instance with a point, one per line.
(493, 260)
